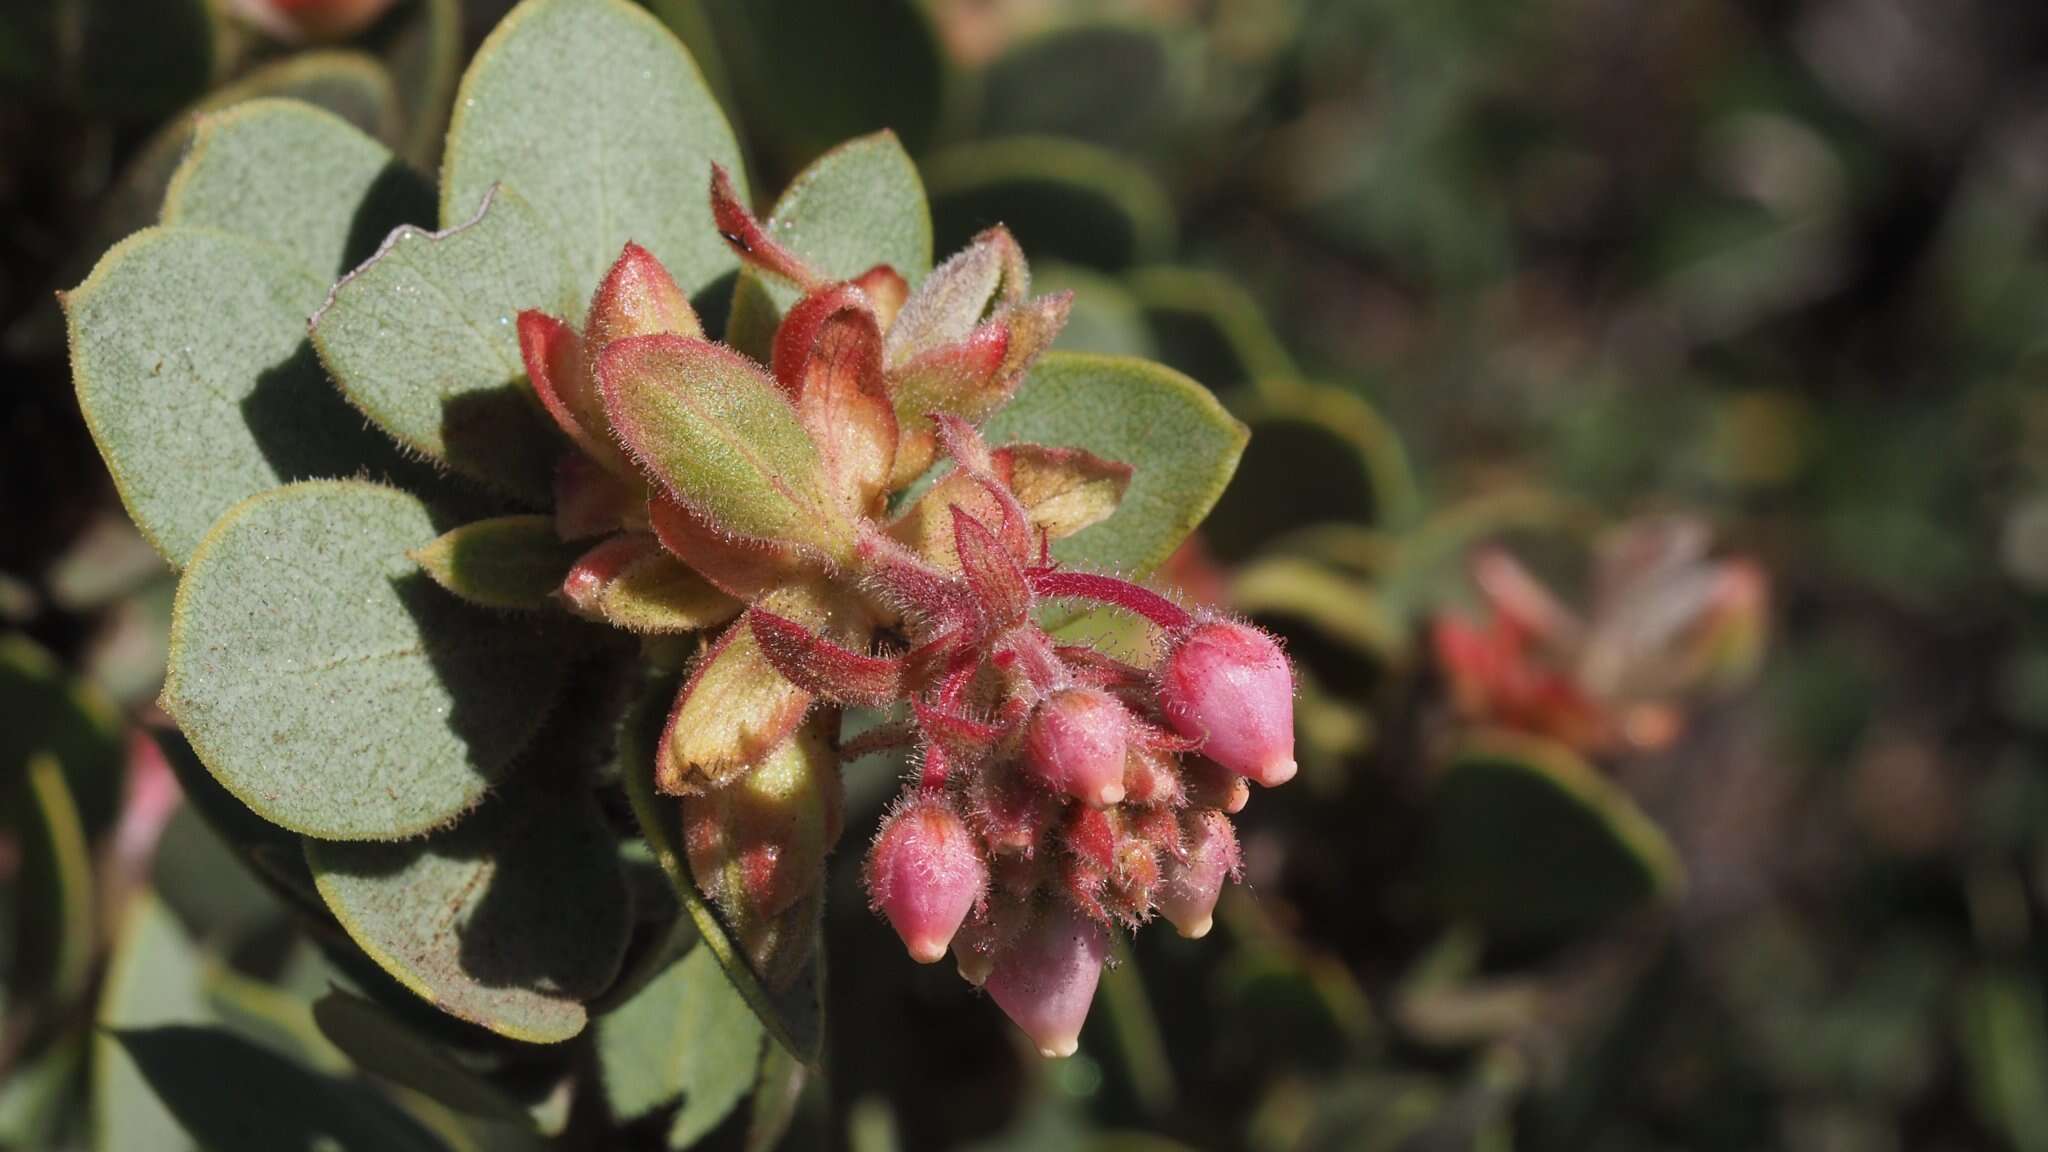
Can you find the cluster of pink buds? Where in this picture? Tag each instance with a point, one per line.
(1062, 792)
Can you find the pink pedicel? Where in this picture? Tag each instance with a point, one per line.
(1045, 981)
(925, 874)
(1228, 685)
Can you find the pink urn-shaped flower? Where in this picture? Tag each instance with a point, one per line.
(1229, 686)
(1045, 981)
(925, 874)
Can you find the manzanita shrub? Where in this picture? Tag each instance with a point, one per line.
(493, 534)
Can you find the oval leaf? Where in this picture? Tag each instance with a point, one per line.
(1063, 199)
(298, 178)
(348, 84)
(505, 562)
(54, 904)
(230, 1093)
(1534, 844)
(1179, 442)
(424, 339)
(509, 920)
(686, 1036)
(330, 686)
(810, 73)
(379, 1043)
(859, 205)
(597, 115)
(188, 348)
(153, 979)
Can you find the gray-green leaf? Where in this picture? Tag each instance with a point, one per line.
(296, 177)
(510, 920)
(859, 205)
(424, 338)
(1179, 441)
(687, 1035)
(596, 114)
(188, 347)
(329, 684)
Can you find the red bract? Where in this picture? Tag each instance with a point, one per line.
(1056, 787)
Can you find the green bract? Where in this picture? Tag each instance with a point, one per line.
(309, 382)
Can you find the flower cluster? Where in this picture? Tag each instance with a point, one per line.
(1062, 791)
(1665, 622)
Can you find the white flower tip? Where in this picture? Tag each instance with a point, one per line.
(1278, 772)
(1059, 1048)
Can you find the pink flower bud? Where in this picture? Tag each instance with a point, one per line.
(1228, 685)
(1075, 745)
(1188, 895)
(925, 874)
(1045, 981)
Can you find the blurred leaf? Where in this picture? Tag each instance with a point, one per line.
(1210, 328)
(778, 1089)
(794, 1017)
(381, 1045)
(1105, 83)
(511, 919)
(42, 712)
(138, 62)
(422, 337)
(207, 883)
(38, 1098)
(273, 1017)
(269, 851)
(808, 74)
(1063, 199)
(1536, 846)
(54, 951)
(377, 706)
(231, 1094)
(2004, 1037)
(1341, 609)
(858, 205)
(423, 50)
(153, 979)
(687, 1036)
(596, 115)
(1181, 443)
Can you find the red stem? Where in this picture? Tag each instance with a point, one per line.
(1113, 592)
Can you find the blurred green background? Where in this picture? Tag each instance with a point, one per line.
(1475, 272)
